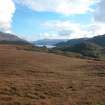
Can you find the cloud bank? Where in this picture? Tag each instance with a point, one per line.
(99, 13)
(57, 28)
(7, 9)
(66, 7)
(68, 29)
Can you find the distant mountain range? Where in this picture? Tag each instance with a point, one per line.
(91, 47)
(48, 41)
(100, 40)
(71, 42)
(6, 38)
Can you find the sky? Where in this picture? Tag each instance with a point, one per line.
(52, 19)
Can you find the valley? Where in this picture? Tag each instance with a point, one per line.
(52, 52)
(38, 78)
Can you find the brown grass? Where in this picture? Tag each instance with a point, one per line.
(34, 78)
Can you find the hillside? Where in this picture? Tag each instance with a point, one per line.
(71, 42)
(6, 38)
(85, 48)
(99, 40)
(90, 47)
(35, 78)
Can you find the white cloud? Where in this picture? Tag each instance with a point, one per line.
(59, 6)
(99, 13)
(7, 9)
(70, 30)
(66, 29)
(97, 28)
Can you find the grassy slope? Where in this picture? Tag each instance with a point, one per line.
(85, 49)
(35, 78)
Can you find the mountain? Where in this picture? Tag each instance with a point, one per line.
(49, 41)
(6, 38)
(71, 42)
(91, 47)
(85, 49)
(99, 40)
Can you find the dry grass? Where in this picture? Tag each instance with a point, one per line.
(34, 78)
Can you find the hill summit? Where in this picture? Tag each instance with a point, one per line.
(6, 38)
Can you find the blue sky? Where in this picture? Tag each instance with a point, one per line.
(49, 19)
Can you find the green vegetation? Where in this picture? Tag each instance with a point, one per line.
(85, 49)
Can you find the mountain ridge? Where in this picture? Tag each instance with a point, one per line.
(91, 47)
(49, 41)
(100, 40)
(7, 38)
